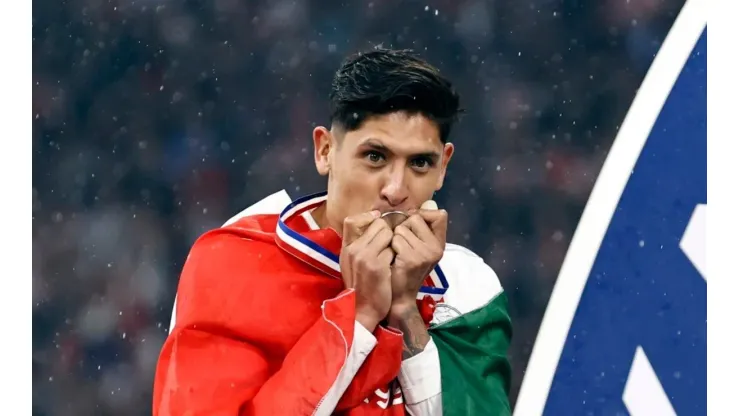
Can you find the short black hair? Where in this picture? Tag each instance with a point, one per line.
(383, 81)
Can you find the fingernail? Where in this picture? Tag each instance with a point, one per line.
(375, 213)
(429, 205)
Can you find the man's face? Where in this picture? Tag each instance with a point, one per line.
(393, 162)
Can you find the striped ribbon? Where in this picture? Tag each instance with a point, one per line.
(324, 258)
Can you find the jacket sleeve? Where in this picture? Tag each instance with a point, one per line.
(421, 382)
(211, 363)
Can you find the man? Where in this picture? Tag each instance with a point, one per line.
(327, 308)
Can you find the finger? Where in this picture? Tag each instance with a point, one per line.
(379, 242)
(386, 256)
(413, 241)
(400, 244)
(354, 226)
(418, 226)
(429, 206)
(370, 234)
(437, 220)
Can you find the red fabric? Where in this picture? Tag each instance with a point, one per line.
(426, 306)
(250, 337)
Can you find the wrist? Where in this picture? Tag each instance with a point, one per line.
(405, 317)
(402, 307)
(401, 311)
(368, 320)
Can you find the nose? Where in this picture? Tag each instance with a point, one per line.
(395, 191)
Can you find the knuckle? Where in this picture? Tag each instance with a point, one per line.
(358, 258)
(360, 266)
(351, 252)
(360, 263)
(438, 249)
(372, 267)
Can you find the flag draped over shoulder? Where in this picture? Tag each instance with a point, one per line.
(475, 370)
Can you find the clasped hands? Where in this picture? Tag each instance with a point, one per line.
(387, 266)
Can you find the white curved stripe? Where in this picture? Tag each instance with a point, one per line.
(599, 210)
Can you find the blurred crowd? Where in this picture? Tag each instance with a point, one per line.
(157, 120)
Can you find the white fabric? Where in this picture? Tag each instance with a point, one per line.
(272, 204)
(421, 382)
(472, 283)
(364, 339)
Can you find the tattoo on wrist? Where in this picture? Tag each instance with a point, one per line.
(415, 335)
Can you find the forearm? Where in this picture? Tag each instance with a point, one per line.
(408, 320)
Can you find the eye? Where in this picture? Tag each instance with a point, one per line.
(374, 157)
(421, 163)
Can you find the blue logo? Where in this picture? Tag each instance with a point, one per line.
(625, 330)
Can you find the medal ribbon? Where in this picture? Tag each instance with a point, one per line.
(319, 255)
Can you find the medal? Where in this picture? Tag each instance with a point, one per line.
(394, 218)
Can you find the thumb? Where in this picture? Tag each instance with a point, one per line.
(429, 205)
(436, 218)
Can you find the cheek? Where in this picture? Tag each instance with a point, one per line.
(422, 188)
(356, 180)
(348, 176)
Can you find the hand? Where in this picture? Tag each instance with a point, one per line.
(419, 244)
(365, 261)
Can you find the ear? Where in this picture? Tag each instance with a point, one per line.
(323, 144)
(447, 152)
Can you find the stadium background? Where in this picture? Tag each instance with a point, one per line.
(157, 120)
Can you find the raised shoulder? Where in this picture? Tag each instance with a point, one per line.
(473, 283)
(219, 273)
(272, 204)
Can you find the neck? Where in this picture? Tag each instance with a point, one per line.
(326, 218)
(319, 215)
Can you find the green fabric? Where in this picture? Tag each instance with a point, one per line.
(476, 374)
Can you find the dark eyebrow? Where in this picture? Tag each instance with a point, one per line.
(375, 145)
